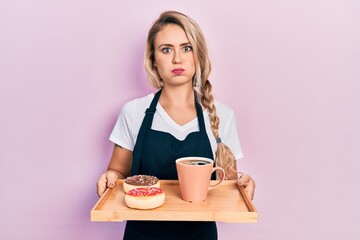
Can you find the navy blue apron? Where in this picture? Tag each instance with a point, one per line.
(154, 154)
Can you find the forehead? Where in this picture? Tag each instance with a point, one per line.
(171, 34)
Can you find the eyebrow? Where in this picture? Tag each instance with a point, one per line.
(170, 45)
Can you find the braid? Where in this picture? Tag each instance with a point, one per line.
(207, 99)
(224, 157)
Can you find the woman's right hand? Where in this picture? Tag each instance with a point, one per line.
(107, 180)
(119, 167)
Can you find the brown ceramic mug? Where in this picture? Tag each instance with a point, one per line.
(194, 175)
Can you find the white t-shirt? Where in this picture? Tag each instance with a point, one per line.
(128, 125)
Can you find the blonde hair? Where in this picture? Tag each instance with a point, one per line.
(224, 157)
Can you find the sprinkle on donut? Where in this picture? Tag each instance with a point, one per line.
(142, 180)
(144, 192)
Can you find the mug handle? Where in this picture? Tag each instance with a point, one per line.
(222, 178)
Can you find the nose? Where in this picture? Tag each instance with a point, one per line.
(177, 57)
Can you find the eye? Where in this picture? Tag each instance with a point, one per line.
(166, 50)
(187, 48)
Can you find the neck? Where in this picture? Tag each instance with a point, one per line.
(177, 96)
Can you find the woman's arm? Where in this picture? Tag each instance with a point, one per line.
(121, 161)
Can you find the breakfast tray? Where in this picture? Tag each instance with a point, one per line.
(227, 203)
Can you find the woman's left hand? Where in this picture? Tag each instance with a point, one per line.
(248, 183)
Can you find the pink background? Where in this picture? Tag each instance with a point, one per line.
(290, 69)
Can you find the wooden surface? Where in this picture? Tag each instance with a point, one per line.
(227, 203)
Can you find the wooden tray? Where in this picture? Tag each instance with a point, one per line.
(227, 203)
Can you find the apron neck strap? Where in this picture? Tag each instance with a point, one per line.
(152, 108)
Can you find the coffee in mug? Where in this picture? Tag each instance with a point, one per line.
(194, 175)
(195, 162)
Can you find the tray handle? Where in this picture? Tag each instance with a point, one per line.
(246, 198)
(103, 198)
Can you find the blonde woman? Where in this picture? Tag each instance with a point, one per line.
(181, 119)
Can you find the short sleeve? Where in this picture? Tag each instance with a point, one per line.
(230, 136)
(122, 131)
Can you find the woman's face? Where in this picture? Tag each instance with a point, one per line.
(174, 57)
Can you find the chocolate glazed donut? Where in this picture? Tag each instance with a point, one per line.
(140, 181)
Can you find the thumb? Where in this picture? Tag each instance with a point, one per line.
(111, 178)
(244, 179)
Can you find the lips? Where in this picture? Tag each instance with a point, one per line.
(177, 71)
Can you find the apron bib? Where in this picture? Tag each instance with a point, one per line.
(154, 154)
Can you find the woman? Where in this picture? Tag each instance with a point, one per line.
(181, 119)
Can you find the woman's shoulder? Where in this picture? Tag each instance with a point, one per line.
(138, 103)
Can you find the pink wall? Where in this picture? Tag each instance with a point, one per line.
(290, 69)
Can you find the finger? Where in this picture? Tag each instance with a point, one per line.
(101, 185)
(111, 179)
(250, 188)
(244, 179)
(101, 189)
